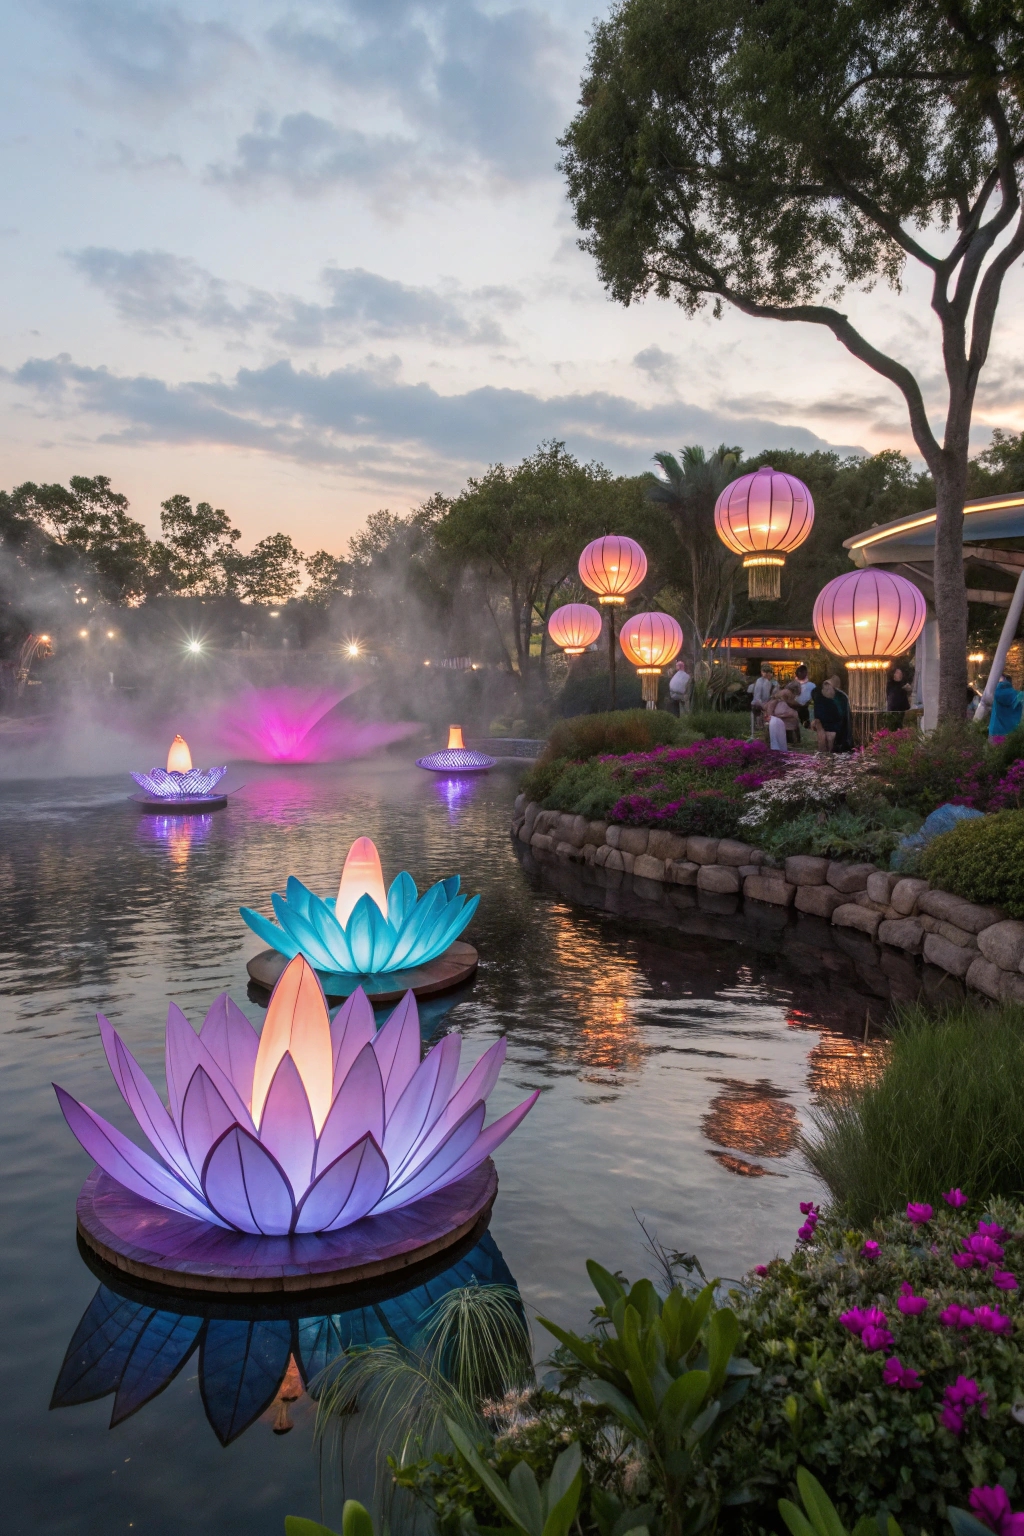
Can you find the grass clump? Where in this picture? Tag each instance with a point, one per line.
(981, 860)
(947, 1110)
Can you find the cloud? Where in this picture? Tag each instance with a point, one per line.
(154, 52)
(362, 417)
(156, 290)
(660, 366)
(493, 83)
(310, 155)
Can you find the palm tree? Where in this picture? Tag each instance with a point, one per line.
(688, 488)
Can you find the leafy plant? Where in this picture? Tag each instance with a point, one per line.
(946, 1108)
(621, 730)
(819, 1516)
(532, 1509)
(661, 1367)
(355, 1521)
(920, 772)
(981, 860)
(870, 835)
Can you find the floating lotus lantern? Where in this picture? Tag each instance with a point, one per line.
(456, 757)
(181, 781)
(574, 626)
(305, 1128)
(650, 641)
(365, 931)
(612, 567)
(868, 617)
(764, 516)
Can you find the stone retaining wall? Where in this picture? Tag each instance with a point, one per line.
(980, 945)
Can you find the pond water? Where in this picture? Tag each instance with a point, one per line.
(675, 1072)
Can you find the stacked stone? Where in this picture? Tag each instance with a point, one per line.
(978, 944)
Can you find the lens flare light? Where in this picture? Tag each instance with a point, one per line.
(363, 932)
(305, 1128)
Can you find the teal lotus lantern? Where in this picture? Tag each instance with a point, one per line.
(365, 931)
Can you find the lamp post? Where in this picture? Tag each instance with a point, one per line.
(764, 516)
(868, 617)
(612, 567)
(650, 641)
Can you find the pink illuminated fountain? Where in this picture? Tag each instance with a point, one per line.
(284, 1158)
(299, 725)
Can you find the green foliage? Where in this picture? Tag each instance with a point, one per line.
(665, 1367)
(921, 772)
(819, 1516)
(869, 834)
(355, 1521)
(531, 1509)
(820, 1399)
(946, 1110)
(197, 553)
(981, 860)
(622, 730)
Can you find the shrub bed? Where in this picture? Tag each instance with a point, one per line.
(981, 860)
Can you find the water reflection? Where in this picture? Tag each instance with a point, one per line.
(455, 791)
(253, 1361)
(176, 833)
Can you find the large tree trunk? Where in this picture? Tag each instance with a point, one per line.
(950, 592)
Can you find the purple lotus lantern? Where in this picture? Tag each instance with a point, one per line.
(456, 757)
(308, 1127)
(180, 781)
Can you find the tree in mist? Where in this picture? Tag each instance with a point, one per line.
(196, 556)
(328, 577)
(270, 573)
(93, 541)
(767, 156)
(523, 529)
(687, 489)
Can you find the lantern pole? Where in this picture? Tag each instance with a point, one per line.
(611, 648)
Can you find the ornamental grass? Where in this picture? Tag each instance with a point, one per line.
(946, 1109)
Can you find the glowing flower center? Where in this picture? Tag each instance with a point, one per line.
(362, 876)
(297, 1022)
(179, 758)
(455, 741)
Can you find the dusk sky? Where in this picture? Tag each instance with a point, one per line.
(306, 260)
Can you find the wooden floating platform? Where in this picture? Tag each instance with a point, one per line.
(156, 1245)
(449, 970)
(169, 807)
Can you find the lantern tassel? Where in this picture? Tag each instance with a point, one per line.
(764, 579)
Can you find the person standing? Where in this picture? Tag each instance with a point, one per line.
(844, 735)
(760, 692)
(804, 693)
(1006, 709)
(781, 715)
(680, 690)
(828, 716)
(897, 695)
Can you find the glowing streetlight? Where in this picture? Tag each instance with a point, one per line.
(111, 634)
(194, 646)
(612, 567)
(44, 639)
(352, 649)
(83, 634)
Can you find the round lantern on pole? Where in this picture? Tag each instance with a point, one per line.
(867, 618)
(574, 627)
(612, 567)
(650, 641)
(764, 516)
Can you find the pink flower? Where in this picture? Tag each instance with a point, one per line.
(808, 1208)
(965, 1393)
(870, 1250)
(956, 1316)
(984, 1248)
(876, 1338)
(896, 1375)
(991, 1229)
(805, 1233)
(1003, 1280)
(955, 1197)
(952, 1419)
(992, 1320)
(909, 1304)
(919, 1214)
(760, 1269)
(964, 1260)
(859, 1318)
(991, 1504)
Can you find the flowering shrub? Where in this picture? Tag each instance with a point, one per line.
(891, 1367)
(981, 860)
(826, 806)
(818, 783)
(953, 765)
(1008, 794)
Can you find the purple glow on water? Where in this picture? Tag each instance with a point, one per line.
(455, 792)
(298, 725)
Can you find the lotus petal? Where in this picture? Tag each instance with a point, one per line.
(352, 1027)
(144, 1102)
(298, 895)
(204, 1118)
(302, 929)
(422, 1102)
(346, 1190)
(451, 886)
(476, 1086)
(270, 933)
(128, 1164)
(184, 1051)
(297, 1022)
(163, 1347)
(246, 1187)
(357, 1111)
(397, 1048)
(417, 928)
(241, 1366)
(286, 1129)
(485, 1144)
(460, 1139)
(370, 938)
(233, 1044)
(100, 1349)
(402, 898)
(331, 935)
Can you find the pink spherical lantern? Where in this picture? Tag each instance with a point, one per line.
(612, 567)
(764, 516)
(867, 618)
(574, 627)
(650, 641)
